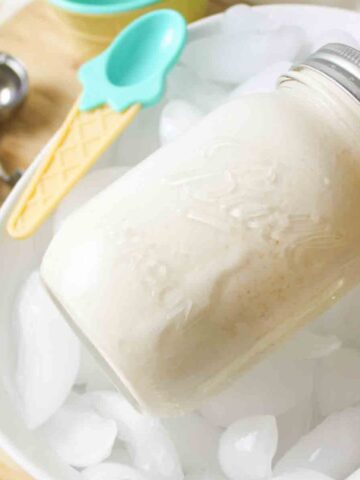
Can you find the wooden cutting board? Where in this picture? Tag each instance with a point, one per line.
(35, 36)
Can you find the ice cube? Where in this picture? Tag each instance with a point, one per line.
(208, 475)
(87, 188)
(196, 442)
(120, 454)
(355, 475)
(338, 381)
(334, 36)
(79, 435)
(242, 18)
(155, 454)
(184, 84)
(293, 424)
(180, 83)
(140, 139)
(90, 373)
(247, 448)
(235, 58)
(113, 471)
(272, 387)
(113, 405)
(332, 448)
(148, 442)
(264, 81)
(47, 353)
(302, 474)
(176, 119)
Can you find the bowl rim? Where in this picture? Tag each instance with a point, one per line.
(19, 72)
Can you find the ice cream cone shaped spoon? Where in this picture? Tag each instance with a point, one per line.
(126, 77)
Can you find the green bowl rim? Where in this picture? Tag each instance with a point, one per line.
(121, 6)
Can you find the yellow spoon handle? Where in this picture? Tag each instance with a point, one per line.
(9, 470)
(83, 137)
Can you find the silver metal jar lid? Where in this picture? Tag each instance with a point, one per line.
(339, 62)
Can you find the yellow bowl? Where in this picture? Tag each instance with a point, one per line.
(91, 33)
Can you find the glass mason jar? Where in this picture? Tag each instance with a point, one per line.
(214, 249)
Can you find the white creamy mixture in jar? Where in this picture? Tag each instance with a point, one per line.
(188, 268)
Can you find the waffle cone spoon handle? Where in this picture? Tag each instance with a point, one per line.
(83, 137)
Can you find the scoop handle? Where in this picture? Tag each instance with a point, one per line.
(83, 137)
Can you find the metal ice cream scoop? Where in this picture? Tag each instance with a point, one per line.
(14, 86)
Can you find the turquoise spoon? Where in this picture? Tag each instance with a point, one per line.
(127, 76)
(133, 69)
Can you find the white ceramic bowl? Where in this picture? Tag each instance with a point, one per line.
(17, 258)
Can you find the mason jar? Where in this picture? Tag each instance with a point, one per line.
(209, 253)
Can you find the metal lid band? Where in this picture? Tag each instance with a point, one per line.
(339, 62)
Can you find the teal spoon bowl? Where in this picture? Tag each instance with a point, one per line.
(134, 67)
